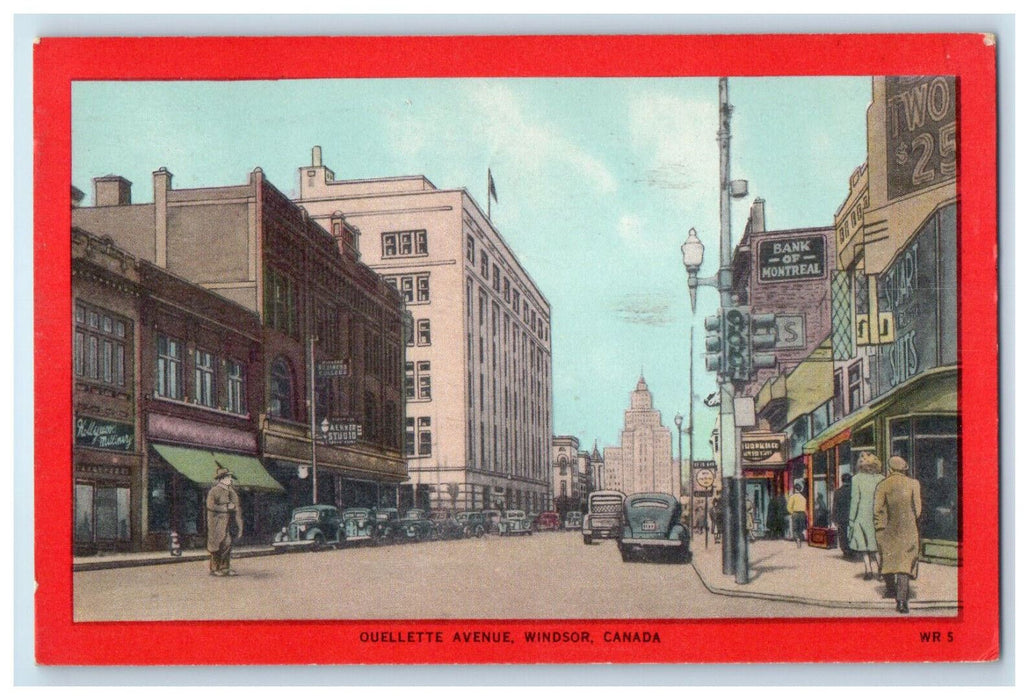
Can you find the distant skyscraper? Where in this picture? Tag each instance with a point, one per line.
(644, 460)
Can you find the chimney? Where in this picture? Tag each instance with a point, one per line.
(317, 157)
(111, 191)
(162, 180)
(758, 215)
(77, 196)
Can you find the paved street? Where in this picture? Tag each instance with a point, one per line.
(548, 575)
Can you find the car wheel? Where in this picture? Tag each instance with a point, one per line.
(587, 539)
(624, 552)
(318, 542)
(479, 531)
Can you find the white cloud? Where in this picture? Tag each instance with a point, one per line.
(631, 230)
(677, 136)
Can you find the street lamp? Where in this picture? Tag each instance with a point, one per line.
(693, 254)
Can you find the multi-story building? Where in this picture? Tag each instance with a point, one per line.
(895, 304)
(323, 316)
(571, 475)
(643, 461)
(478, 367)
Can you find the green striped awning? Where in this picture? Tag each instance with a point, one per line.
(200, 466)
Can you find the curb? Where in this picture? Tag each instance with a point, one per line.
(129, 563)
(817, 602)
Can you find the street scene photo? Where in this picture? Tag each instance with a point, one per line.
(515, 349)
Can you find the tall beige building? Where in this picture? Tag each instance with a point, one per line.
(478, 364)
(644, 460)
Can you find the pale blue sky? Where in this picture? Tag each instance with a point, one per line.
(598, 182)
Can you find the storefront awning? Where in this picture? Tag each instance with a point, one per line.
(932, 391)
(200, 466)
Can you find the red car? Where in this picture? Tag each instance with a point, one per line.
(547, 520)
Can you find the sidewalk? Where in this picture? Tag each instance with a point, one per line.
(118, 560)
(778, 570)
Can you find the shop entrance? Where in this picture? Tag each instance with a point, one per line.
(757, 491)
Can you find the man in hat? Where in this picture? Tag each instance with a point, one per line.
(897, 510)
(222, 503)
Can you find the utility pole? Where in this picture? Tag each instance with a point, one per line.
(313, 413)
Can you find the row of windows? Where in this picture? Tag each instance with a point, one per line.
(423, 333)
(99, 352)
(418, 380)
(419, 436)
(169, 376)
(398, 244)
(413, 288)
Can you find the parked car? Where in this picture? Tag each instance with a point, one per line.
(491, 521)
(603, 519)
(387, 527)
(311, 527)
(547, 520)
(359, 525)
(573, 520)
(417, 527)
(515, 522)
(651, 525)
(450, 529)
(473, 522)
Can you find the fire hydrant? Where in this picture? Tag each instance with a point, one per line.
(174, 544)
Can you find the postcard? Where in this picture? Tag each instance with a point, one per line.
(516, 349)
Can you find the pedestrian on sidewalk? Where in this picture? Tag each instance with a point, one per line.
(750, 518)
(861, 512)
(776, 516)
(897, 510)
(841, 504)
(717, 519)
(797, 511)
(221, 504)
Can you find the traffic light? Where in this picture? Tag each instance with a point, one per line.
(735, 345)
(714, 344)
(762, 342)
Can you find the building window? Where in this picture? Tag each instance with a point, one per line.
(169, 368)
(855, 386)
(839, 408)
(496, 278)
(422, 289)
(204, 379)
(408, 284)
(235, 387)
(327, 328)
(280, 303)
(409, 332)
(424, 436)
(424, 332)
(562, 466)
(370, 416)
(485, 265)
(517, 305)
(99, 350)
(424, 380)
(391, 424)
(410, 442)
(507, 290)
(471, 249)
(281, 389)
(404, 243)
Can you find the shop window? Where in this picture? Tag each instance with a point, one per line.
(855, 385)
(84, 509)
(159, 499)
(821, 494)
(929, 444)
(281, 389)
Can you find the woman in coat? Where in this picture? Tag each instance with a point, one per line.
(897, 510)
(862, 538)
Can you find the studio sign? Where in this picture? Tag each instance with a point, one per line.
(104, 435)
(760, 449)
(790, 259)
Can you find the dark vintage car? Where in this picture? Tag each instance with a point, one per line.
(417, 527)
(651, 525)
(515, 522)
(473, 522)
(491, 521)
(574, 520)
(387, 527)
(448, 526)
(311, 527)
(548, 520)
(603, 519)
(359, 525)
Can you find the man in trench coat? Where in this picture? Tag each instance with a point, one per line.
(897, 510)
(221, 504)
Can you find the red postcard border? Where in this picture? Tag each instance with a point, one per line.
(971, 57)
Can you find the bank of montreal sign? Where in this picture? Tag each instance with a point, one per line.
(791, 259)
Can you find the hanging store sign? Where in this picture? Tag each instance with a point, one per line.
(920, 131)
(790, 259)
(340, 432)
(104, 435)
(764, 449)
(332, 368)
